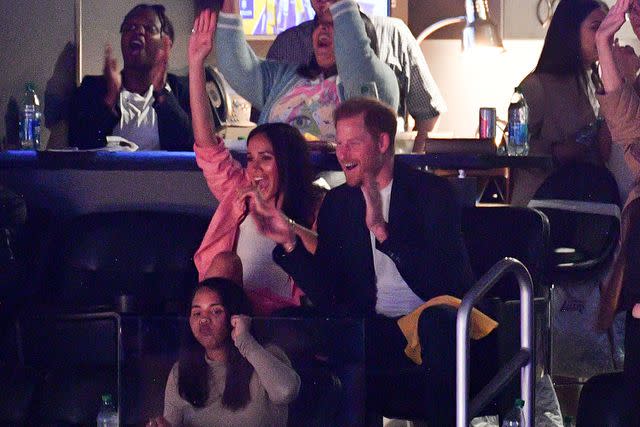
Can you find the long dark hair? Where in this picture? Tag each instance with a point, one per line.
(295, 174)
(193, 378)
(313, 70)
(561, 53)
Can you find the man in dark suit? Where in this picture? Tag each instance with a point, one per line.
(388, 240)
(142, 103)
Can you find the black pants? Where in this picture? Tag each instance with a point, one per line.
(433, 383)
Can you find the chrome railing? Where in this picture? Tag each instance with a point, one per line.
(522, 360)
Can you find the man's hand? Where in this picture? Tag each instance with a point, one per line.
(202, 37)
(112, 77)
(270, 220)
(241, 324)
(374, 217)
(160, 63)
(636, 311)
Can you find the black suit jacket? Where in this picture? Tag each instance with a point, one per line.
(425, 243)
(91, 121)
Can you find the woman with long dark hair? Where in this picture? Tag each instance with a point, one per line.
(223, 376)
(561, 95)
(278, 169)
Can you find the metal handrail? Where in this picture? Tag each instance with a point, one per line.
(523, 360)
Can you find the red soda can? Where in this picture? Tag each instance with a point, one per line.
(487, 127)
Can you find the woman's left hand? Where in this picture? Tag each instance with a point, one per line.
(636, 311)
(241, 324)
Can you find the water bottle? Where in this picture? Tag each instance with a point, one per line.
(515, 417)
(30, 119)
(518, 142)
(108, 415)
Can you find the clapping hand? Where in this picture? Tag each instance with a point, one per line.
(201, 40)
(112, 77)
(374, 217)
(159, 69)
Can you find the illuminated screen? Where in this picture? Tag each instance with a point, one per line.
(271, 17)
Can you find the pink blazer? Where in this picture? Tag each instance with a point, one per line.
(224, 176)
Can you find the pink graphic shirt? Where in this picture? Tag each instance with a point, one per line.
(309, 107)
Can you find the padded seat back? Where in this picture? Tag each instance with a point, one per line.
(582, 203)
(492, 233)
(76, 358)
(97, 257)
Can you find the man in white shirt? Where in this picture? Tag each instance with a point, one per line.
(388, 240)
(142, 103)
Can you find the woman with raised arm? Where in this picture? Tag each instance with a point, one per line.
(223, 376)
(344, 65)
(620, 106)
(277, 169)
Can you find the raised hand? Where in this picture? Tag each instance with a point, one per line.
(241, 324)
(112, 77)
(613, 21)
(202, 34)
(159, 69)
(270, 220)
(374, 216)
